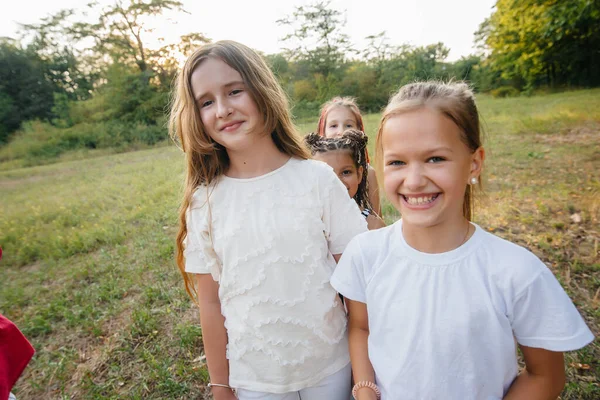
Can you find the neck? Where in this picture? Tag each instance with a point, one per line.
(256, 160)
(439, 238)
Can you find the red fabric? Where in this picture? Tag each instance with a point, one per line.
(15, 353)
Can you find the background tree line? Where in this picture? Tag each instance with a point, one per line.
(68, 84)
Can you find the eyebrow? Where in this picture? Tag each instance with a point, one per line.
(344, 122)
(442, 148)
(233, 83)
(426, 152)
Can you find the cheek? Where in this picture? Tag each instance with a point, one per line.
(206, 119)
(391, 182)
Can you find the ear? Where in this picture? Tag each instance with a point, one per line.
(360, 173)
(477, 159)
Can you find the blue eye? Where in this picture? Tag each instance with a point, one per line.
(206, 104)
(396, 163)
(436, 159)
(236, 91)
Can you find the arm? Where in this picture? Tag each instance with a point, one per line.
(214, 335)
(375, 222)
(543, 377)
(374, 191)
(358, 333)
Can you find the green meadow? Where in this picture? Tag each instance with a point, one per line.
(88, 273)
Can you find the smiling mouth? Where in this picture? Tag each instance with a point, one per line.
(420, 200)
(231, 127)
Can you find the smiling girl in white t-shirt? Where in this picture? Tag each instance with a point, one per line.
(435, 302)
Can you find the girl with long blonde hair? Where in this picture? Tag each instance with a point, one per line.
(261, 228)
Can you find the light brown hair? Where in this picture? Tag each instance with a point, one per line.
(454, 100)
(206, 160)
(349, 103)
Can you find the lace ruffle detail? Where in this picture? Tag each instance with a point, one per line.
(272, 237)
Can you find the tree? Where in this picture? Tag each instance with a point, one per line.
(534, 42)
(64, 66)
(24, 91)
(165, 61)
(317, 37)
(121, 27)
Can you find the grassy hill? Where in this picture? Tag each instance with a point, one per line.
(88, 272)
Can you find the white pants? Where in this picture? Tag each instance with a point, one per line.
(333, 387)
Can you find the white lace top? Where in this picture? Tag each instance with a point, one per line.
(273, 237)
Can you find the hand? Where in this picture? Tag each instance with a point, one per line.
(221, 393)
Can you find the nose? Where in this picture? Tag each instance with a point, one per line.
(415, 178)
(223, 109)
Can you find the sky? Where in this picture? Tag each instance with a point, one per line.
(414, 22)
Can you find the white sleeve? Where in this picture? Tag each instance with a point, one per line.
(348, 278)
(341, 214)
(200, 256)
(544, 317)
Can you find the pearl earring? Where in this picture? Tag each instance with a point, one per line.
(474, 180)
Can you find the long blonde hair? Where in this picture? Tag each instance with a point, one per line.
(206, 160)
(454, 100)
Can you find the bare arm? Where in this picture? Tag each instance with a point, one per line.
(543, 377)
(358, 333)
(375, 222)
(214, 335)
(374, 191)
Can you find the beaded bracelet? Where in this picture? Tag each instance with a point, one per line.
(366, 384)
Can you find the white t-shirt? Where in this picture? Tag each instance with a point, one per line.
(441, 325)
(273, 238)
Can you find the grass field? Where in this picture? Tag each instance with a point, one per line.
(88, 272)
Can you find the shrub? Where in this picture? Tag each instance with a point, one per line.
(505, 91)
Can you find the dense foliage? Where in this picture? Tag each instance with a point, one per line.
(91, 85)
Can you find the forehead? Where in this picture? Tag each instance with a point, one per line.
(420, 130)
(340, 113)
(335, 158)
(211, 74)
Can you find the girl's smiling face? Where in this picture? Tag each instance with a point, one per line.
(339, 118)
(344, 167)
(427, 167)
(228, 112)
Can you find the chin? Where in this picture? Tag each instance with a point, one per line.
(418, 219)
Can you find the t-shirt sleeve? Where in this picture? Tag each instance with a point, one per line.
(544, 316)
(200, 256)
(348, 278)
(341, 214)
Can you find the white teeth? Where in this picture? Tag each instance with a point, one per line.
(420, 200)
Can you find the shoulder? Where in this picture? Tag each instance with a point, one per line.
(319, 174)
(199, 197)
(508, 253)
(374, 221)
(513, 265)
(314, 167)
(373, 244)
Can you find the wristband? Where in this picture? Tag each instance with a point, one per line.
(366, 384)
